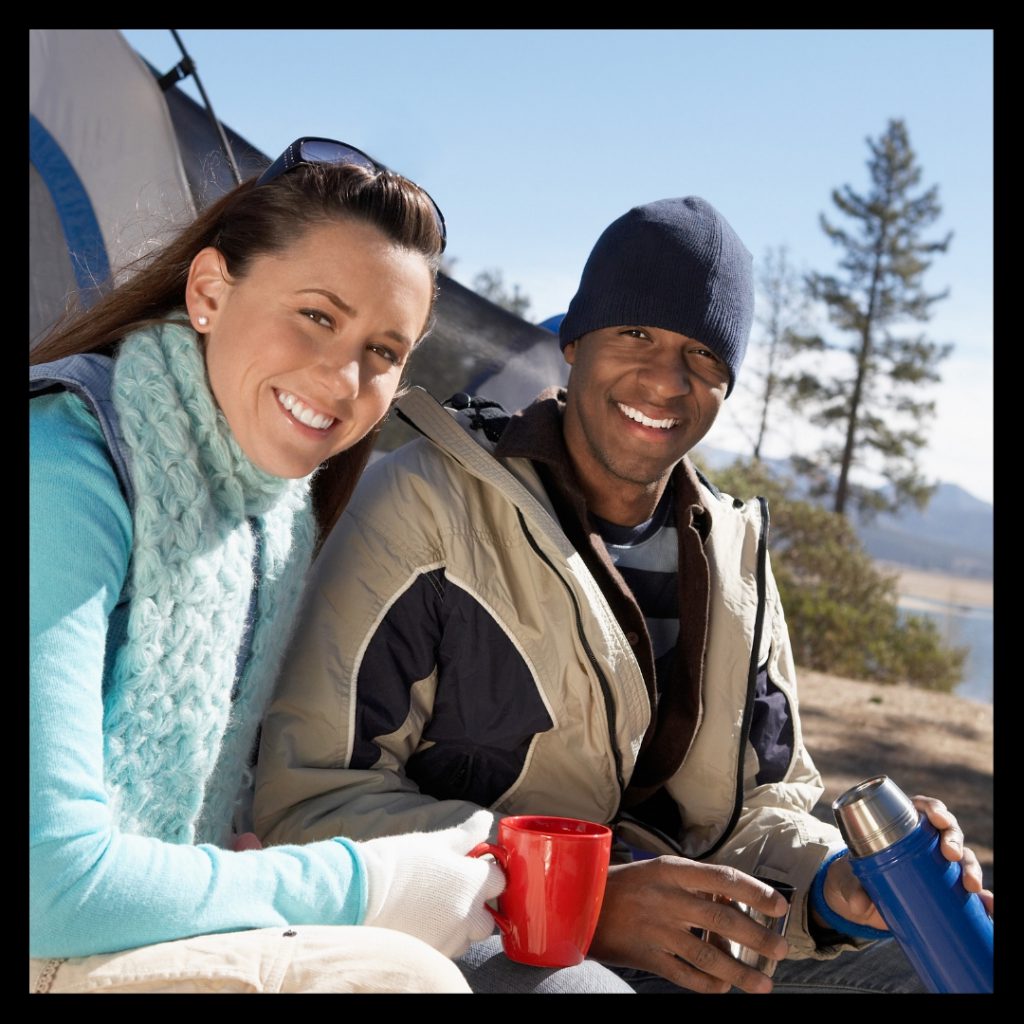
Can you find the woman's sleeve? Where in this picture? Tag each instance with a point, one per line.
(93, 889)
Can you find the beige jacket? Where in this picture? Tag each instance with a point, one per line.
(444, 502)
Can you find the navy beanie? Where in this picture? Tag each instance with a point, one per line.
(674, 264)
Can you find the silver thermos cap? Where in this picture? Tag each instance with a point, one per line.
(873, 815)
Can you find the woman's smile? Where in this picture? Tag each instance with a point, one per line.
(306, 350)
(300, 411)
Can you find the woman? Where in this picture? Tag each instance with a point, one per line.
(194, 436)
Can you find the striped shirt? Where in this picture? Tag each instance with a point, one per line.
(647, 557)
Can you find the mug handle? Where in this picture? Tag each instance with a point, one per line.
(500, 854)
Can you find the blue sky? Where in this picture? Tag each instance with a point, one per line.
(532, 141)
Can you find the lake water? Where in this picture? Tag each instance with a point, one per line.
(963, 626)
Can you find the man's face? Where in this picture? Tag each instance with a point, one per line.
(639, 398)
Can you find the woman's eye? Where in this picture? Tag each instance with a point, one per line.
(387, 354)
(317, 317)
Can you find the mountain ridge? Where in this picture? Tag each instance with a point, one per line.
(953, 534)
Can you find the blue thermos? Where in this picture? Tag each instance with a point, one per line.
(944, 930)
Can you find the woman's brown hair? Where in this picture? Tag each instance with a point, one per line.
(248, 222)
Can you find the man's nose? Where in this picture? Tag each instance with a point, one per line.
(668, 376)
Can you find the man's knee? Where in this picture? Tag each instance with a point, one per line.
(488, 970)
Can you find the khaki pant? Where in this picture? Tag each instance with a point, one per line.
(316, 958)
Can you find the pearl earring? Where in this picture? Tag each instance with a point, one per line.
(202, 320)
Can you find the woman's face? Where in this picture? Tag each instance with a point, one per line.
(305, 352)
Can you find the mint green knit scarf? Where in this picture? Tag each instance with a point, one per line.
(176, 745)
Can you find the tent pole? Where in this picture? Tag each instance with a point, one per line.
(186, 66)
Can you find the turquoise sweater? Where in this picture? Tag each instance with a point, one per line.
(93, 889)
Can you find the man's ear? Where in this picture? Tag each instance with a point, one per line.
(569, 353)
(206, 289)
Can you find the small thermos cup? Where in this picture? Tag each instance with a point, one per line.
(944, 930)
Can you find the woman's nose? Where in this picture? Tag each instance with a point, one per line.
(341, 376)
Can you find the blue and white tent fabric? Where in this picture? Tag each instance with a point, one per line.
(113, 163)
(120, 158)
(105, 178)
(523, 373)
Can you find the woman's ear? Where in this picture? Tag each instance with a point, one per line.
(206, 289)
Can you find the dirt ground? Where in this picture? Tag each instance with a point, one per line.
(929, 743)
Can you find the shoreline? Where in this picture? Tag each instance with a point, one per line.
(938, 744)
(961, 606)
(944, 588)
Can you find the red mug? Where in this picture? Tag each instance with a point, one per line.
(555, 870)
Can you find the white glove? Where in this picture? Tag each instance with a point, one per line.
(423, 884)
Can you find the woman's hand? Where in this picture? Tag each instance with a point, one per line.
(424, 884)
(246, 841)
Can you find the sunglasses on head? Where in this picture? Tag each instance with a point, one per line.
(328, 151)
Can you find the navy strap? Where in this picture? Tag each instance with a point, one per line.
(830, 917)
(90, 376)
(490, 417)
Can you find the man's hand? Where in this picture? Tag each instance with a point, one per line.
(951, 845)
(845, 895)
(650, 907)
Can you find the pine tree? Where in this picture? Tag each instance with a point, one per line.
(876, 409)
(782, 317)
(842, 608)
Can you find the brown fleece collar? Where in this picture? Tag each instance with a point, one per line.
(535, 433)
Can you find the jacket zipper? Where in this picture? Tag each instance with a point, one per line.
(609, 703)
(606, 692)
(748, 710)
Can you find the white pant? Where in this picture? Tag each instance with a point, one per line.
(315, 958)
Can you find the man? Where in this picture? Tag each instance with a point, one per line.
(555, 613)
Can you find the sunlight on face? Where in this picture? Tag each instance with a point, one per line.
(639, 399)
(305, 352)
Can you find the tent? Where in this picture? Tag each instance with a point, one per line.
(120, 158)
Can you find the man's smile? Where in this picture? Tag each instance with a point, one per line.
(646, 421)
